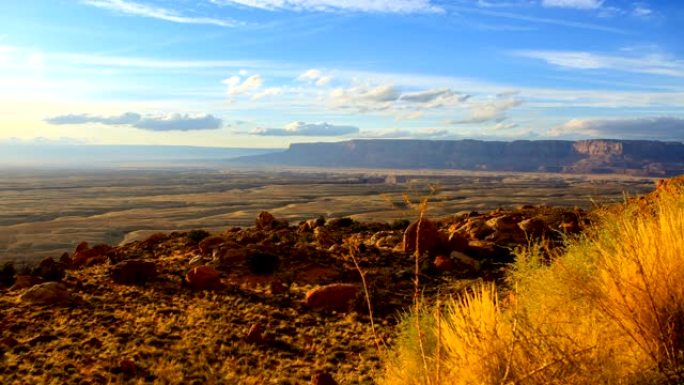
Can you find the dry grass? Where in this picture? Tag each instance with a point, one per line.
(610, 310)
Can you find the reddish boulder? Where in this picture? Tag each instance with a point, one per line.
(85, 256)
(26, 281)
(133, 272)
(457, 242)
(323, 378)
(50, 270)
(255, 335)
(424, 237)
(336, 296)
(48, 293)
(209, 244)
(265, 220)
(444, 264)
(203, 278)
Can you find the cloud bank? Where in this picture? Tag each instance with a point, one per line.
(307, 129)
(170, 122)
(654, 128)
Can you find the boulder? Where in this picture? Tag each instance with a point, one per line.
(203, 278)
(85, 256)
(209, 244)
(444, 264)
(533, 227)
(255, 335)
(429, 239)
(266, 221)
(48, 293)
(50, 270)
(133, 272)
(323, 378)
(323, 237)
(457, 242)
(336, 296)
(26, 281)
(466, 261)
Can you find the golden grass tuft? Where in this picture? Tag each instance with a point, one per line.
(609, 310)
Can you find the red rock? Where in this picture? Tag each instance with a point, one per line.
(430, 240)
(457, 242)
(9, 342)
(83, 246)
(207, 245)
(128, 367)
(50, 270)
(133, 272)
(323, 237)
(323, 378)
(444, 264)
(26, 281)
(534, 227)
(265, 220)
(203, 278)
(336, 296)
(255, 335)
(278, 287)
(83, 255)
(48, 293)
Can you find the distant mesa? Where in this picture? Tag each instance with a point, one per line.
(601, 156)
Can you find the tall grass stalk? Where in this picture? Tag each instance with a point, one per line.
(609, 310)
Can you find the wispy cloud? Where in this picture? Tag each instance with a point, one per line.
(662, 128)
(316, 77)
(534, 19)
(424, 133)
(306, 129)
(139, 9)
(376, 6)
(649, 64)
(171, 122)
(576, 4)
(237, 86)
(491, 110)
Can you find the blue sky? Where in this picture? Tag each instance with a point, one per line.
(250, 73)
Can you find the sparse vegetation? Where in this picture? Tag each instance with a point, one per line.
(608, 310)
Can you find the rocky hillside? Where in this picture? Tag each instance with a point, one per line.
(275, 303)
(652, 158)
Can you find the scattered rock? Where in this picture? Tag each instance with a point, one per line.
(128, 367)
(26, 281)
(430, 240)
(133, 272)
(84, 256)
(48, 293)
(323, 237)
(469, 262)
(323, 378)
(534, 227)
(262, 263)
(209, 244)
(203, 278)
(444, 264)
(336, 296)
(457, 242)
(266, 221)
(255, 335)
(9, 342)
(50, 270)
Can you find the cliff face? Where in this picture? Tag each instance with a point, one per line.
(586, 156)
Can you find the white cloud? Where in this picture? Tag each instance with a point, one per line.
(137, 9)
(170, 122)
(272, 91)
(501, 126)
(316, 77)
(307, 129)
(576, 4)
(653, 128)
(424, 133)
(236, 86)
(375, 6)
(491, 110)
(365, 98)
(434, 98)
(650, 64)
(642, 10)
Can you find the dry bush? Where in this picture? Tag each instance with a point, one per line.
(610, 310)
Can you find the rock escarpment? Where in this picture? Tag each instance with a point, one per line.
(586, 156)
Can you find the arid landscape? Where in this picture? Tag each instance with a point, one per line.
(49, 212)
